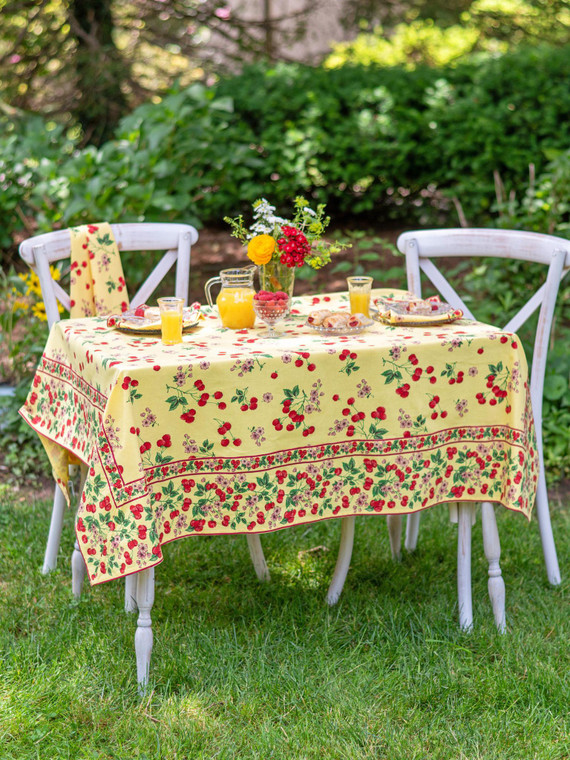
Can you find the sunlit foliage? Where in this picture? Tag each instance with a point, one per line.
(433, 35)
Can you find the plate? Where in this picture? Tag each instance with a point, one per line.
(416, 311)
(340, 330)
(150, 323)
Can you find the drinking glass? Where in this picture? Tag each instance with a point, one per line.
(171, 320)
(359, 294)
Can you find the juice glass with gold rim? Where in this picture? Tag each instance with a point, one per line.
(171, 320)
(359, 294)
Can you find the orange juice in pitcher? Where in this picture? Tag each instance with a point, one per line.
(235, 300)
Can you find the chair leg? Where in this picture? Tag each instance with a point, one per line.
(131, 593)
(258, 558)
(545, 527)
(143, 634)
(55, 527)
(465, 510)
(492, 548)
(395, 534)
(77, 571)
(412, 528)
(343, 560)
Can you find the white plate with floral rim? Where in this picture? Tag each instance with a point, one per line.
(146, 320)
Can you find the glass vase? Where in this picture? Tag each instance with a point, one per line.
(275, 276)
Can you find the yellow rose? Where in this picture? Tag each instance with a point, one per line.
(260, 249)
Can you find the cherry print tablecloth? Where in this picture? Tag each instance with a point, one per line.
(230, 432)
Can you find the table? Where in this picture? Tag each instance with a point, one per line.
(232, 433)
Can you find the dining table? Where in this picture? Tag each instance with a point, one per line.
(231, 432)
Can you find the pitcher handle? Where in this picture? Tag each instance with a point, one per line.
(208, 288)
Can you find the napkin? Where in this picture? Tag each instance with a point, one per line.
(97, 286)
(412, 310)
(97, 281)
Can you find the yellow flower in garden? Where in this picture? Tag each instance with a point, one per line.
(260, 249)
(19, 304)
(31, 298)
(39, 311)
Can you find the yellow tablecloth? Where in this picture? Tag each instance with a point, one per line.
(230, 432)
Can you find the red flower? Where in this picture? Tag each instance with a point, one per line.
(293, 247)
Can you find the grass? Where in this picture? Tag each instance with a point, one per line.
(244, 670)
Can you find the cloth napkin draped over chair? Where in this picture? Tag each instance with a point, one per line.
(97, 288)
(97, 282)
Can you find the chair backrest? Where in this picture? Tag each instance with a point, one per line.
(175, 239)
(421, 246)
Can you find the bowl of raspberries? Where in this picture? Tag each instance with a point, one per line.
(271, 308)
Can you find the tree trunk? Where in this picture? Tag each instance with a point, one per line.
(99, 68)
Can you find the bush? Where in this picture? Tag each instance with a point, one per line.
(23, 334)
(373, 143)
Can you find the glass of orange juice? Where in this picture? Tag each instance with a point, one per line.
(359, 294)
(171, 320)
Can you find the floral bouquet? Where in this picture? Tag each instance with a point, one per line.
(280, 245)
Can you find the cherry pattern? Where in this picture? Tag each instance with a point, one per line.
(226, 434)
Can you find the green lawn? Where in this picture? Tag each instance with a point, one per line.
(243, 670)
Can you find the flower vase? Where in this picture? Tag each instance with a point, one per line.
(275, 276)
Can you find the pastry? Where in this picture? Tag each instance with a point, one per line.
(336, 319)
(316, 317)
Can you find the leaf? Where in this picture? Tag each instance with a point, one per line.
(158, 134)
(350, 466)
(343, 266)
(369, 256)
(391, 375)
(555, 387)
(176, 401)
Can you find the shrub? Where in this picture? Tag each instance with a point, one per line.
(373, 143)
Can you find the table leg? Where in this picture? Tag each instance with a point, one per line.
(395, 535)
(465, 513)
(343, 560)
(131, 593)
(258, 558)
(412, 529)
(143, 635)
(492, 548)
(77, 564)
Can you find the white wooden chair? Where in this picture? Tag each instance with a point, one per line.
(41, 251)
(420, 248)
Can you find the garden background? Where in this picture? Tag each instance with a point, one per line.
(427, 113)
(432, 114)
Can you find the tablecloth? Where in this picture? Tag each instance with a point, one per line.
(230, 432)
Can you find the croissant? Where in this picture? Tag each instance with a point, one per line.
(337, 319)
(358, 320)
(317, 317)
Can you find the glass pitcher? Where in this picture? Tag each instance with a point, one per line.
(235, 300)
